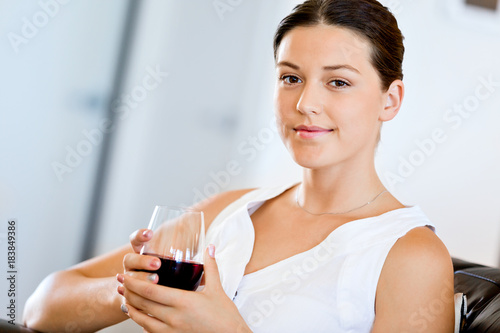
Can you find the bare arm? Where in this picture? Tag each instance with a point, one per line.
(84, 298)
(415, 290)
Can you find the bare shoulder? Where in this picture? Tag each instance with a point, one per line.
(212, 206)
(415, 289)
(420, 248)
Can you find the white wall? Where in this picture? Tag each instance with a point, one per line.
(54, 85)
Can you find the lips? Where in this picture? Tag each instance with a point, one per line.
(311, 132)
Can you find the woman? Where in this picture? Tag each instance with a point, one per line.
(335, 253)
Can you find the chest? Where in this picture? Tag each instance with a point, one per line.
(313, 291)
(282, 232)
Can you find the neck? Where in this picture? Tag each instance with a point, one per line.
(339, 188)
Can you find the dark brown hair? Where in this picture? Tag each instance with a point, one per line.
(367, 18)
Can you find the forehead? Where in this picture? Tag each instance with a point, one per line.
(324, 45)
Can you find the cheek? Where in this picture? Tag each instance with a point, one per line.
(361, 123)
(282, 109)
(284, 101)
(281, 126)
(278, 102)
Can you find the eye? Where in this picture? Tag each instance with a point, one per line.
(339, 83)
(290, 79)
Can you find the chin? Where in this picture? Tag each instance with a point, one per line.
(311, 161)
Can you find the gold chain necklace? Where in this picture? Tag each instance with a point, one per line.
(337, 213)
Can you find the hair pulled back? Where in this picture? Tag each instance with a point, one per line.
(367, 18)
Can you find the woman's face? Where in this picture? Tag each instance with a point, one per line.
(328, 97)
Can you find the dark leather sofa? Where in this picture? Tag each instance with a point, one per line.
(480, 284)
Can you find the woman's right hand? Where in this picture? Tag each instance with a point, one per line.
(134, 264)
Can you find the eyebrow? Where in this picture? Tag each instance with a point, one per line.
(327, 68)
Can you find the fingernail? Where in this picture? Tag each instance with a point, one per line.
(211, 250)
(120, 290)
(152, 277)
(155, 263)
(120, 278)
(124, 308)
(147, 233)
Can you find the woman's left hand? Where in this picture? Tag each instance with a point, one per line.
(162, 309)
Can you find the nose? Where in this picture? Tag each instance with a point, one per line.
(310, 100)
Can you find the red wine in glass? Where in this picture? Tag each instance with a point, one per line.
(178, 241)
(178, 274)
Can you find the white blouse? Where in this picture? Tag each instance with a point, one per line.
(329, 288)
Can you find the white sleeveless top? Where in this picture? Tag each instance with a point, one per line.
(329, 288)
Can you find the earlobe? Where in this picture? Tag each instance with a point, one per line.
(394, 99)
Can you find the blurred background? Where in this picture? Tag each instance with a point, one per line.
(109, 108)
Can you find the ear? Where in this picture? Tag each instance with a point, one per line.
(393, 99)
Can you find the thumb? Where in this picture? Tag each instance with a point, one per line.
(212, 278)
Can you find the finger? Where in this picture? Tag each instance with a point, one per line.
(139, 237)
(134, 262)
(145, 276)
(155, 293)
(212, 278)
(139, 302)
(155, 309)
(147, 322)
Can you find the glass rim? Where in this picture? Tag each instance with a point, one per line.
(177, 207)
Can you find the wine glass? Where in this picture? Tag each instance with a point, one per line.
(179, 242)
